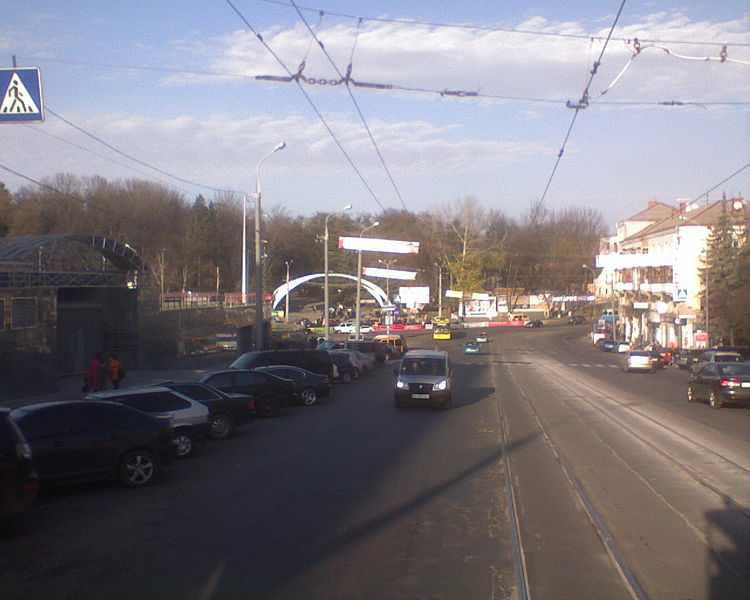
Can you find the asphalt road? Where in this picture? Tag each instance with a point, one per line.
(554, 476)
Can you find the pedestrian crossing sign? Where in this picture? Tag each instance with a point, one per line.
(21, 100)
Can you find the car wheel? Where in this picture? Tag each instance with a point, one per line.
(309, 397)
(691, 394)
(184, 444)
(221, 427)
(713, 400)
(138, 468)
(268, 406)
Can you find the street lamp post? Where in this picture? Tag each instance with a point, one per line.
(286, 309)
(258, 325)
(359, 276)
(326, 298)
(440, 290)
(388, 263)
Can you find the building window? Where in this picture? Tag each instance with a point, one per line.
(23, 313)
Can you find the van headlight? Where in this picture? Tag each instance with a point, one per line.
(400, 384)
(440, 386)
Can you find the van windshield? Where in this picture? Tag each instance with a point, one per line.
(423, 366)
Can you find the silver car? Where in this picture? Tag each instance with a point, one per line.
(424, 378)
(189, 418)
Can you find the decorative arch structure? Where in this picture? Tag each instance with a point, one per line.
(373, 289)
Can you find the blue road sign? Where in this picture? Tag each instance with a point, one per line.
(21, 100)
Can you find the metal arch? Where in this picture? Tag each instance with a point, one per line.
(375, 290)
(122, 255)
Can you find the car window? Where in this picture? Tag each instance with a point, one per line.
(710, 369)
(92, 417)
(155, 402)
(220, 380)
(251, 378)
(194, 390)
(728, 358)
(734, 369)
(423, 366)
(46, 422)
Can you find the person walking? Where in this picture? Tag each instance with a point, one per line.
(97, 373)
(116, 371)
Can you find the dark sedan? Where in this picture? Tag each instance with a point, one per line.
(225, 410)
(85, 440)
(19, 481)
(535, 323)
(268, 391)
(308, 387)
(720, 383)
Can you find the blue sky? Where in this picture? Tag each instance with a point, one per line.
(173, 85)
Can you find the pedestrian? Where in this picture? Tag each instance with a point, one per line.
(97, 373)
(116, 371)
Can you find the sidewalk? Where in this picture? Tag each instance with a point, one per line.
(189, 370)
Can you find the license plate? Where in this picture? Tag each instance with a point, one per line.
(746, 384)
(421, 396)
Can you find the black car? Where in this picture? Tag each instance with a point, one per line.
(317, 361)
(85, 440)
(268, 391)
(225, 410)
(535, 323)
(576, 320)
(308, 387)
(720, 383)
(19, 481)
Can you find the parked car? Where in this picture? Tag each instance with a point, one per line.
(471, 347)
(347, 372)
(361, 362)
(394, 340)
(351, 327)
(618, 346)
(85, 440)
(316, 361)
(19, 481)
(225, 410)
(715, 356)
(482, 337)
(641, 360)
(720, 383)
(424, 377)
(376, 349)
(684, 358)
(268, 391)
(534, 323)
(576, 320)
(307, 386)
(188, 417)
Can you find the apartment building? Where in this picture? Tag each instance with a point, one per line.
(651, 272)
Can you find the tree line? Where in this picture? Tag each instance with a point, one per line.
(196, 244)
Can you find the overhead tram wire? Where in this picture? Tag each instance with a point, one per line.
(583, 103)
(133, 158)
(722, 182)
(443, 92)
(577, 36)
(354, 101)
(90, 151)
(310, 102)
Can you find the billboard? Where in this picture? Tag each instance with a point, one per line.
(389, 273)
(414, 296)
(378, 245)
